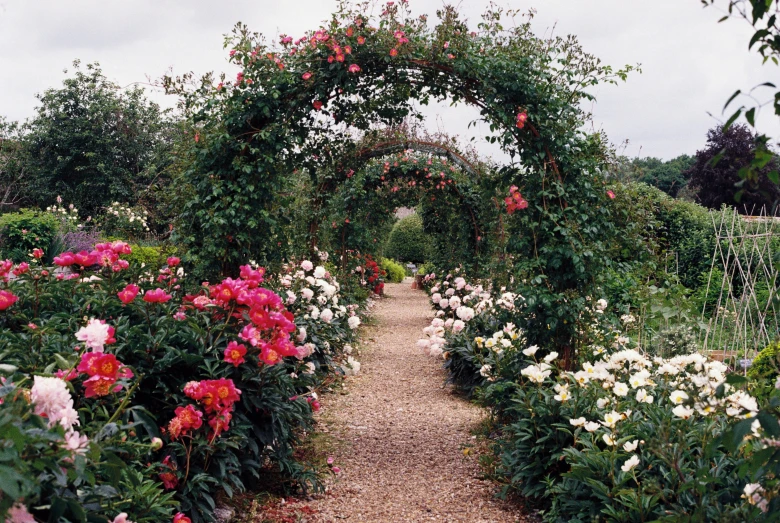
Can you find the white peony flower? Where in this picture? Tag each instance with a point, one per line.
(301, 335)
(611, 419)
(681, 411)
(578, 422)
(444, 303)
(309, 368)
(326, 315)
(319, 272)
(678, 397)
(353, 322)
(458, 326)
(608, 439)
(630, 463)
(643, 397)
(550, 357)
(530, 351)
(307, 293)
(485, 370)
(620, 389)
(602, 402)
(592, 426)
(630, 446)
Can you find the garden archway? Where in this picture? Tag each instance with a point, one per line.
(291, 107)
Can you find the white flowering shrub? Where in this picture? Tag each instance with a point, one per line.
(626, 438)
(326, 322)
(125, 221)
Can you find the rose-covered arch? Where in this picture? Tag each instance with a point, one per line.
(291, 107)
(370, 196)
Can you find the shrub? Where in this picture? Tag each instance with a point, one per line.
(173, 353)
(395, 271)
(407, 241)
(766, 363)
(23, 231)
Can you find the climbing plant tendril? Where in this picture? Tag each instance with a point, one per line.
(297, 105)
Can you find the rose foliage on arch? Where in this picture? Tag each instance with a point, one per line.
(292, 104)
(368, 199)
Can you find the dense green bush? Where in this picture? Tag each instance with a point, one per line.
(23, 231)
(766, 363)
(395, 271)
(407, 241)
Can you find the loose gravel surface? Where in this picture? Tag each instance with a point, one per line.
(401, 433)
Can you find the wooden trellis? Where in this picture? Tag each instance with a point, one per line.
(744, 320)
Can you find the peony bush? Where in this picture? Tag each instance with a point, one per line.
(142, 393)
(621, 437)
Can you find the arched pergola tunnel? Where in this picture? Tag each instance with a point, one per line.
(359, 71)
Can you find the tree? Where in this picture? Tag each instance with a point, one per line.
(669, 176)
(93, 143)
(762, 15)
(715, 176)
(13, 175)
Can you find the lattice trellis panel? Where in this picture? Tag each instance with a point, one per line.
(743, 267)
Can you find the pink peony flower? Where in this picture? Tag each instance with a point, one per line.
(306, 75)
(7, 299)
(354, 68)
(37, 253)
(128, 294)
(157, 296)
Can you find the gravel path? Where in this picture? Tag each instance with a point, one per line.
(401, 434)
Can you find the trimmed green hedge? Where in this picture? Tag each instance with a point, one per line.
(395, 271)
(407, 241)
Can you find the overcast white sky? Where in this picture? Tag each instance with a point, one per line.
(690, 64)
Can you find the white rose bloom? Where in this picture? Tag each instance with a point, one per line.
(630, 463)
